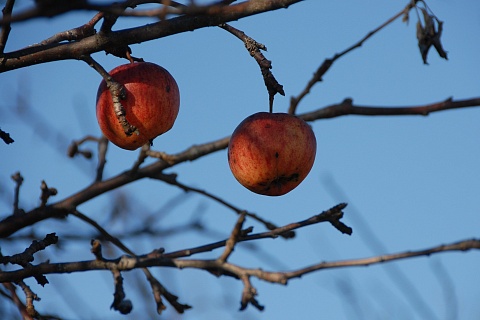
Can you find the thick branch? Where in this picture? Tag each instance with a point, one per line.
(105, 42)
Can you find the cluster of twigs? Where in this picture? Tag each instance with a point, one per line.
(79, 43)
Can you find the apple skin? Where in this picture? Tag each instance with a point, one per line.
(271, 153)
(152, 103)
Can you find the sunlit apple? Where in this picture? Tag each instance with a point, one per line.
(271, 153)
(151, 104)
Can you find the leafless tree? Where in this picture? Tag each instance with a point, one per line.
(97, 35)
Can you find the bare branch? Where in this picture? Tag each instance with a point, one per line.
(60, 209)
(114, 9)
(159, 291)
(233, 239)
(16, 300)
(102, 157)
(325, 66)
(172, 179)
(157, 287)
(74, 34)
(101, 42)
(6, 28)
(333, 214)
(29, 298)
(96, 249)
(126, 263)
(17, 177)
(104, 232)
(117, 92)
(248, 294)
(122, 305)
(192, 153)
(346, 107)
(46, 193)
(74, 147)
(142, 156)
(5, 136)
(253, 47)
(472, 244)
(25, 258)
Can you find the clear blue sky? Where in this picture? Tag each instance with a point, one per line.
(411, 182)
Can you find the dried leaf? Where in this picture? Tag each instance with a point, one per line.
(423, 42)
(428, 35)
(436, 41)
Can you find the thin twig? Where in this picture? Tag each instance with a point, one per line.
(254, 47)
(73, 34)
(172, 179)
(117, 92)
(46, 193)
(5, 136)
(16, 300)
(102, 158)
(155, 284)
(25, 258)
(141, 157)
(30, 296)
(6, 28)
(334, 213)
(347, 107)
(74, 147)
(122, 305)
(17, 177)
(325, 66)
(232, 240)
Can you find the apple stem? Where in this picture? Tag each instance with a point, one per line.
(129, 56)
(271, 96)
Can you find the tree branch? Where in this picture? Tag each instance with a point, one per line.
(254, 47)
(346, 107)
(106, 42)
(117, 92)
(13, 223)
(325, 66)
(157, 288)
(6, 28)
(172, 179)
(126, 263)
(5, 136)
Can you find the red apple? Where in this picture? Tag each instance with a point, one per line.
(151, 104)
(271, 153)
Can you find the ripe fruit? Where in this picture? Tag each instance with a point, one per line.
(271, 153)
(151, 104)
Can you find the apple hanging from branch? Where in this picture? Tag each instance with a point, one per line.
(151, 104)
(271, 153)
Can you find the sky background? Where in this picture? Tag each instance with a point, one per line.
(411, 182)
